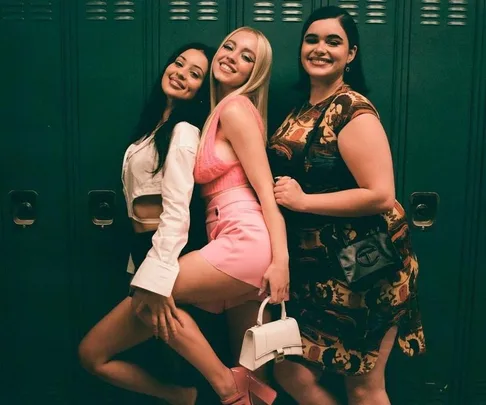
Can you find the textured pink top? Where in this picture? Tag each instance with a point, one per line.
(213, 173)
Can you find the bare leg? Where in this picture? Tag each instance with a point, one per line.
(369, 389)
(302, 384)
(240, 319)
(199, 282)
(115, 333)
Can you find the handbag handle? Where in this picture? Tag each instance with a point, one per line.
(283, 314)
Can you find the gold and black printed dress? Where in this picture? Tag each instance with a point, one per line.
(341, 329)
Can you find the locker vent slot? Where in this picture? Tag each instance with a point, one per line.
(207, 10)
(352, 7)
(292, 11)
(179, 10)
(96, 10)
(457, 12)
(34, 10)
(40, 10)
(376, 12)
(430, 12)
(12, 10)
(263, 11)
(124, 10)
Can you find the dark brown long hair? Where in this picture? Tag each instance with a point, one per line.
(194, 111)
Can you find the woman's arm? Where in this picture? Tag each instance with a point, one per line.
(364, 147)
(241, 129)
(159, 270)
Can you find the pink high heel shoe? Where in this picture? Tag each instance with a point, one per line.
(248, 384)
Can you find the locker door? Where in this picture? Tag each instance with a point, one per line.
(434, 145)
(37, 334)
(112, 59)
(475, 376)
(281, 22)
(181, 22)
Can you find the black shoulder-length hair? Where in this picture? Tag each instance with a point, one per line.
(355, 77)
(194, 111)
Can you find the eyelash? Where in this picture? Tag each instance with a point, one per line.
(194, 74)
(313, 41)
(246, 58)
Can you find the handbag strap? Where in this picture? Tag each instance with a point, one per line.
(283, 314)
(311, 136)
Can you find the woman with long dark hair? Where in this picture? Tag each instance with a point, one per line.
(335, 180)
(158, 184)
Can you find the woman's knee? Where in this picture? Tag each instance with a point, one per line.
(290, 376)
(362, 387)
(89, 357)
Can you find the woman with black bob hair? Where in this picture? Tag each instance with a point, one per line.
(158, 183)
(334, 172)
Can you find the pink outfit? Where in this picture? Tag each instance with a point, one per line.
(215, 174)
(239, 243)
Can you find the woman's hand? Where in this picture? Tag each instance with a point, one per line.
(277, 275)
(158, 312)
(289, 194)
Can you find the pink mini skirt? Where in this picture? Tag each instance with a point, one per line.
(239, 242)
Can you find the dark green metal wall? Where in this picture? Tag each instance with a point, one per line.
(73, 76)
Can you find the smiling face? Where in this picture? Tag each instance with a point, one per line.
(185, 76)
(325, 51)
(235, 59)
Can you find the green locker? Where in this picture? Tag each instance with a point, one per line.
(433, 145)
(109, 72)
(474, 374)
(181, 22)
(108, 82)
(35, 189)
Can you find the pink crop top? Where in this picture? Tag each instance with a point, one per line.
(213, 173)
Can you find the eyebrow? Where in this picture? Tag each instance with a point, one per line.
(244, 49)
(330, 36)
(196, 66)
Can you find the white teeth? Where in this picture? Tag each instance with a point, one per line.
(319, 61)
(226, 68)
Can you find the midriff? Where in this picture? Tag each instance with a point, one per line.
(146, 207)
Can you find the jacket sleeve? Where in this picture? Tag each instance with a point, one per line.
(159, 270)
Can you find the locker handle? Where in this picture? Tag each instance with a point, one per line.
(102, 207)
(23, 207)
(424, 207)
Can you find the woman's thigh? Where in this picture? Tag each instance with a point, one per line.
(200, 282)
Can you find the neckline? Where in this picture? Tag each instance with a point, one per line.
(342, 87)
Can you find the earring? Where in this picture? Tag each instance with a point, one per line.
(347, 69)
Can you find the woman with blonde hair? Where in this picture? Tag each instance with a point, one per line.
(247, 249)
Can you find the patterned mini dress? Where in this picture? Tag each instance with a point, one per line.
(341, 328)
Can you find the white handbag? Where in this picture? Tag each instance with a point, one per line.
(270, 341)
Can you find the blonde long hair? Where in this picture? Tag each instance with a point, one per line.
(255, 88)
